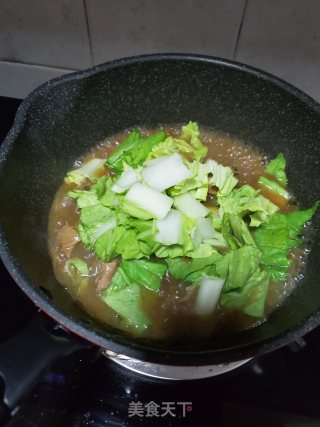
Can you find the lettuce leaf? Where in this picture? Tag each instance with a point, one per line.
(145, 230)
(127, 241)
(251, 297)
(191, 270)
(111, 233)
(188, 144)
(95, 221)
(246, 285)
(99, 192)
(123, 294)
(106, 196)
(128, 246)
(222, 177)
(202, 251)
(274, 186)
(247, 201)
(84, 198)
(235, 231)
(277, 168)
(191, 134)
(144, 273)
(276, 237)
(106, 245)
(125, 299)
(238, 266)
(134, 150)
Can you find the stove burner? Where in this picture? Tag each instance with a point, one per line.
(169, 372)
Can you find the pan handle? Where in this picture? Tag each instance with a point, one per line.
(26, 354)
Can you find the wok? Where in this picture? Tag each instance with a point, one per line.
(65, 118)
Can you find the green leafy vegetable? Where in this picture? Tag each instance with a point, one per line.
(235, 231)
(238, 266)
(134, 150)
(277, 168)
(274, 186)
(125, 299)
(99, 192)
(221, 177)
(251, 297)
(95, 221)
(197, 185)
(246, 284)
(191, 134)
(187, 144)
(84, 198)
(144, 273)
(276, 237)
(237, 240)
(123, 294)
(192, 270)
(247, 201)
(106, 246)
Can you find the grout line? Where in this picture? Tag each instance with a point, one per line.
(240, 29)
(88, 30)
(31, 64)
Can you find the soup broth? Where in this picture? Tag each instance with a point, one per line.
(172, 312)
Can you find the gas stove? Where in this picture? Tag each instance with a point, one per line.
(90, 387)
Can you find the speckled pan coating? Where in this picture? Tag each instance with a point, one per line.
(65, 117)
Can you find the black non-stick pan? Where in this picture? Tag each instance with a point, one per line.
(65, 118)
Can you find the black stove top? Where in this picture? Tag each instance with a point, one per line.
(87, 389)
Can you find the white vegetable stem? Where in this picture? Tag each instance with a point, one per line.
(204, 230)
(89, 170)
(104, 228)
(208, 295)
(150, 200)
(169, 228)
(191, 207)
(126, 180)
(165, 172)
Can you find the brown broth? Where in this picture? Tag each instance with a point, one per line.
(171, 312)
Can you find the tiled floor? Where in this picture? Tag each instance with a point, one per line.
(280, 36)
